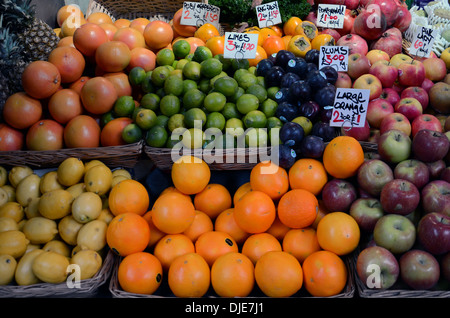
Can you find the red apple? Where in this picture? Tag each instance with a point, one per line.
(414, 171)
(435, 168)
(403, 19)
(445, 174)
(390, 42)
(418, 93)
(394, 146)
(395, 121)
(374, 137)
(419, 269)
(390, 95)
(343, 81)
(355, 43)
(377, 110)
(375, 55)
(358, 64)
(425, 121)
(440, 98)
(366, 212)
(399, 196)
(398, 88)
(427, 84)
(370, 82)
(370, 22)
(395, 232)
(435, 69)
(385, 72)
(373, 175)
(411, 73)
(377, 258)
(359, 133)
(338, 195)
(429, 145)
(445, 265)
(433, 232)
(410, 107)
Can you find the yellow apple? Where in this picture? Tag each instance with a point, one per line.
(400, 58)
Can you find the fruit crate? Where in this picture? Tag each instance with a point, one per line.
(88, 287)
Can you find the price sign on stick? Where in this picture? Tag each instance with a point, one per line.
(240, 45)
(335, 56)
(268, 14)
(350, 107)
(197, 14)
(330, 16)
(423, 42)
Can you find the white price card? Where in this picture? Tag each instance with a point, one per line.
(197, 14)
(268, 14)
(330, 16)
(240, 45)
(423, 42)
(350, 107)
(334, 56)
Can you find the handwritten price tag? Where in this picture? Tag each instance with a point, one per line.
(423, 42)
(350, 107)
(335, 56)
(240, 45)
(268, 14)
(330, 16)
(197, 14)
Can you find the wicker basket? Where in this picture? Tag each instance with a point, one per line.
(88, 287)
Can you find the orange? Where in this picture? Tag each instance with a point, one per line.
(338, 232)
(290, 25)
(269, 178)
(322, 211)
(216, 44)
(140, 273)
(264, 33)
(128, 196)
(210, 245)
(232, 275)
(190, 175)
(298, 208)
(258, 244)
(260, 55)
(213, 200)
(189, 276)
(173, 213)
(308, 174)
(343, 156)
(278, 274)
(206, 31)
(278, 229)
(255, 212)
(202, 223)
(273, 44)
(128, 233)
(241, 190)
(155, 233)
(225, 222)
(301, 243)
(170, 246)
(324, 274)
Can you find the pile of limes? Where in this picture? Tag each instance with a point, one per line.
(198, 99)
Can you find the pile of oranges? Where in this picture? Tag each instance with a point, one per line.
(273, 233)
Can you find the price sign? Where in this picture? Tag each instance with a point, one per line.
(335, 56)
(330, 16)
(240, 45)
(197, 14)
(423, 42)
(268, 14)
(350, 107)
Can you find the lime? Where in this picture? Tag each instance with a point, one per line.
(170, 67)
(246, 80)
(261, 80)
(230, 111)
(176, 121)
(274, 136)
(234, 127)
(180, 64)
(191, 70)
(193, 138)
(172, 141)
(165, 57)
(269, 107)
(135, 112)
(214, 102)
(147, 85)
(173, 85)
(189, 56)
(256, 137)
(156, 136)
(159, 75)
(202, 53)
(195, 117)
(252, 70)
(193, 98)
(124, 106)
(247, 103)
(204, 85)
(272, 91)
(137, 75)
(210, 67)
(150, 101)
(131, 133)
(106, 118)
(162, 120)
(305, 122)
(237, 74)
(178, 73)
(188, 85)
(258, 91)
(145, 119)
(215, 120)
(215, 78)
(225, 141)
(274, 122)
(181, 48)
(225, 62)
(255, 119)
(239, 92)
(226, 85)
(169, 105)
(161, 92)
(237, 64)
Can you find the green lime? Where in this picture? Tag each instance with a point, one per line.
(261, 80)
(246, 80)
(181, 63)
(147, 85)
(234, 127)
(170, 68)
(162, 120)
(252, 70)
(195, 117)
(215, 78)
(272, 91)
(247, 103)
(124, 106)
(305, 122)
(237, 64)
(214, 102)
(161, 92)
(191, 70)
(176, 121)
(189, 56)
(239, 92)
(165, 57)
(145, 119)
(131, 133)
(193, 138)
(150, 101)
(204, 85)
(181, 48)
(106, 118)
(173, 85)
(193, 98)
(269, 107)
(225, 141)
(225, 62)
(188, 85)
(258, 91)
(210, 67)
(159, 75)
(156, 137)
(202, 53)
(230, 111)
(215, 120)
(255, 119)
(256, 137)
(170, 143)
(240, 72)
(274, 122)
(178, 73)
(169, 105)
(135, 112)
(226, 85)
(137, 75)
